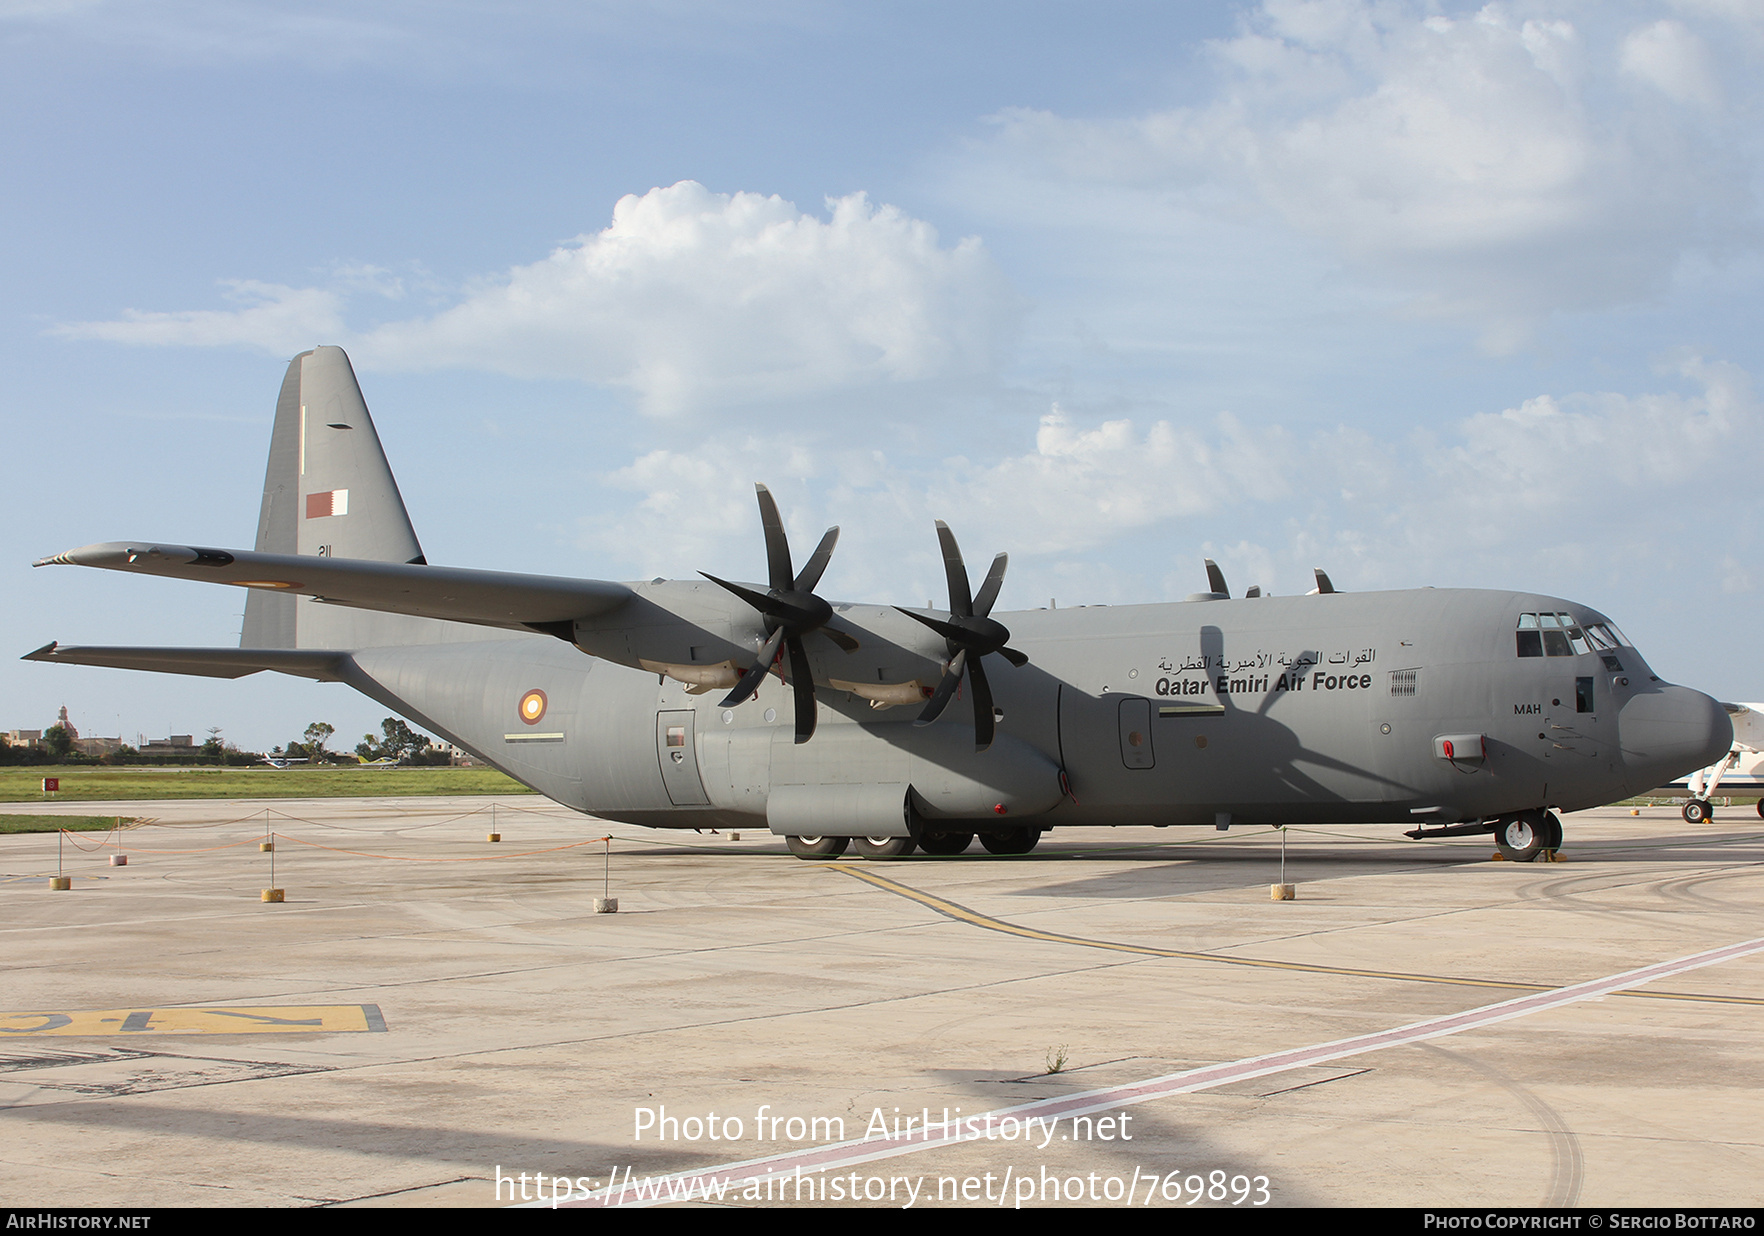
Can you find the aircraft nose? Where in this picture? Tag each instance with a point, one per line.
(1669, 732)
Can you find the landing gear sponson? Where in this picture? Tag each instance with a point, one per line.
(939, 843)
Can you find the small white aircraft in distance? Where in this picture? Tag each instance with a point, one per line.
(282, 761)
(1741, 769)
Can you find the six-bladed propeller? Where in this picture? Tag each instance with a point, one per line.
(792, 610)
(969, 635)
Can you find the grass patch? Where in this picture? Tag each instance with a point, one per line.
(88, 783)
(50, 823)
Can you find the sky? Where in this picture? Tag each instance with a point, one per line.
(1423, 294)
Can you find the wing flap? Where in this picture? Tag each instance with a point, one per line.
(487, 598)
(317, 664)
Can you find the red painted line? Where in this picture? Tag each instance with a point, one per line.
(1045, 1112)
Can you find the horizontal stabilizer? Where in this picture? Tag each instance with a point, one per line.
(487, 598)
(317, 664)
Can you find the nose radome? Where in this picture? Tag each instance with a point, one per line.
(1669, 732)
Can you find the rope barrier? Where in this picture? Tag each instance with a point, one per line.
(487, 858)
(89, 849)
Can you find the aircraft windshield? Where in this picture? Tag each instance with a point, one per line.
(1558, 635)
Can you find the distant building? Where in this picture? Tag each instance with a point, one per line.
(176, 744)
(31, 739)
(456, 756)
(94, 746)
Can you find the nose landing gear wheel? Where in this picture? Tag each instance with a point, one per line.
(1521, 838)
(817, 847)
(944, 844)
(1700, 811)
(883, 847)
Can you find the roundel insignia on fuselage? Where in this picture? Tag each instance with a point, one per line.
(532, 707)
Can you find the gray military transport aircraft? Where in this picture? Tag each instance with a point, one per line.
(706, 703)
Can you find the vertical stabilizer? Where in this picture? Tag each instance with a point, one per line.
(349, 504)
(328, 491)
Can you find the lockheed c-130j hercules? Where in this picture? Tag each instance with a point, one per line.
(705, 703)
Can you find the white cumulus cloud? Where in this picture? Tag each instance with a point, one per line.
(688, 297)
(1086, 486)
(691, 295)
(1483, 162)
(1576, 486)
(1672, 60)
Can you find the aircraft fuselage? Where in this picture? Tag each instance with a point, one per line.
(1268, 710)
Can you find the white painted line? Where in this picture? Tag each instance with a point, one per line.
(1044, 1112)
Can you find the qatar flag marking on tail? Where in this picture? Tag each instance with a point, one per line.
(331, 502)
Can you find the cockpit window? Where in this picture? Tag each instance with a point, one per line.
(1558, 635)
(1607, 631)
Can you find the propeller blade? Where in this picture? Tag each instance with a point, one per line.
(983, 718)
(803, 683)
(970, 633)
(792, 610)
(989, 590)
(817, 563)
(946, 689)
(947, 630)
(756, 672)
(961, 601)
(1216, 579)
(777, 545)
(759, 600)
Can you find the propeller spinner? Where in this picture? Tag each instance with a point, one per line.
(792, 610)
(969, 634)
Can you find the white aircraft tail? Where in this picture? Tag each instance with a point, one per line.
(328, 491)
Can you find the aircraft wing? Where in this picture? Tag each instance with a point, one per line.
(487, 598)
(322, 665)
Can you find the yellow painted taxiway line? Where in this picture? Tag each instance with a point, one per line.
(275, 1019)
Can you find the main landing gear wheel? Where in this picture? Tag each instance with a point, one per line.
(1701, 811)
(1553, 836)
(1521, 838)
(944, 844)
(817, 847)
(883, 847)
(1761, 806)
(1012, 841)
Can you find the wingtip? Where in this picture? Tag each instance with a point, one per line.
(45, 653)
